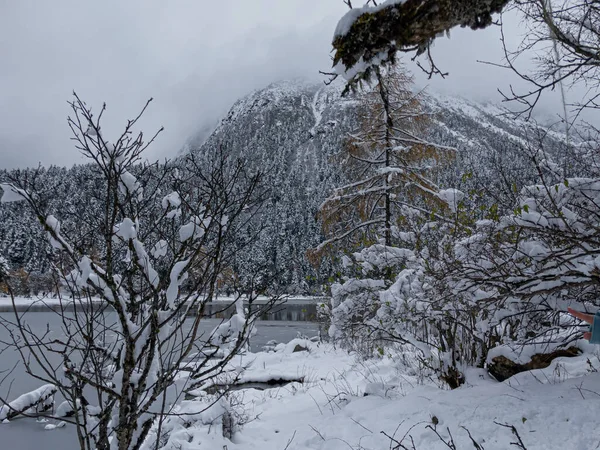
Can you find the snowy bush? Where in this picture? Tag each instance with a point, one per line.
(528, 266)
(370, 313)
(355, 302)
(466, 285)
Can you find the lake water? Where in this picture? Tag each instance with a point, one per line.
(284, 323)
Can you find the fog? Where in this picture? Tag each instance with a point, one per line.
(195, 58)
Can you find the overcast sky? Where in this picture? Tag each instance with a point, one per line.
(195, 57)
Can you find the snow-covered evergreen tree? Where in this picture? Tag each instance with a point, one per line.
(3, 269)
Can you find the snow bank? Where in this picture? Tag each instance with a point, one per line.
(349, 403)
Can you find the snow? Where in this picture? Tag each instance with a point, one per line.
(452, 197)
(351, 16)
(54, 426)
(64, 409)
(174, 213)
(336, 400)
(160, 249)
(187, 231)
(194, 229)
(347, 21)
(85, 269)
(226, 334)
(59, 243)
(173, 199)
(130, 185)
(359, 67)
(126, 229)
(41, 396)
(129, 181)
(54, 224)
(346, 402)
(317, 110)
(176, 278)
(11, 193)
(144, 262)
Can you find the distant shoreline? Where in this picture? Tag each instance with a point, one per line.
(38, 304)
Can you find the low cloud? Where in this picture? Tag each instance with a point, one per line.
(194, 57)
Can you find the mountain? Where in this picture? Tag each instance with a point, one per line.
(293, 132)
(296, 128)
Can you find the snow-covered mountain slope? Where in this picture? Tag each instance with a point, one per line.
(301, 125)
(292, 123)
(294, 132)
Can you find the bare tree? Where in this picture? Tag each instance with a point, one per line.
(137, 305)
(566, 37)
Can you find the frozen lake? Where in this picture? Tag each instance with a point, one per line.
(282, 324)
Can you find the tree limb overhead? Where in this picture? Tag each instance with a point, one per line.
(376, 33)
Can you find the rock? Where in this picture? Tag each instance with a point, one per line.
(502, 368)
(299, 348)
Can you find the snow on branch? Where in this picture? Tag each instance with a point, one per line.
(12, 193)
(127, 230)
(227, 334)
(34, 402)
(452, 197)
(194, 229)
(177, 277)
(56, 239)
(368, 37)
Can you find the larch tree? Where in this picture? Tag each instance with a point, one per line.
(385, 219)
(508, 280)
(387, 160)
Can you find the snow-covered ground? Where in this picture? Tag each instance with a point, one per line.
(554, 408)
(345, 403)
